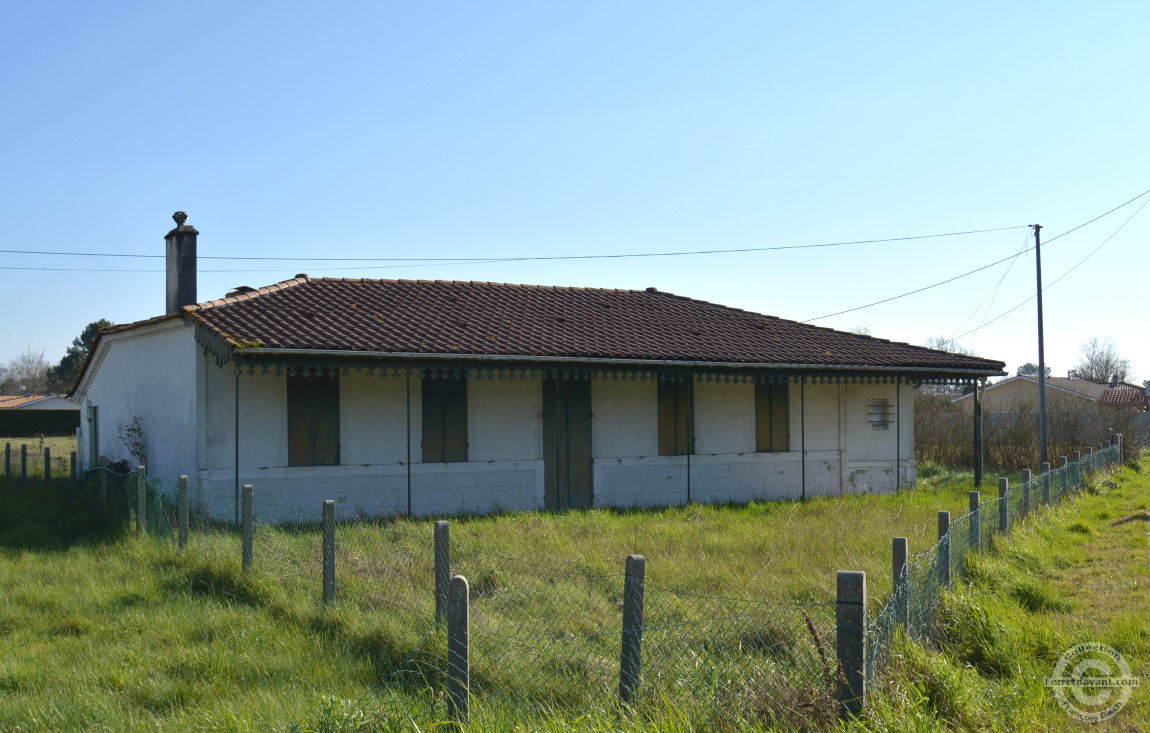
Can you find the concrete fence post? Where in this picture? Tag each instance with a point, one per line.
(1077, 470)
(72, 470)
(458, 652)
(1121, 450)
(329, 551)
(1046, 482)
(1062, 464)
(631, 661)
(141, 497)
(1025, 491)
(23, 461)
(900, 579)
(944, 549)
(1089, 461)
(248, 525)
(182, 508)
(47, 466)
(442, 567)
(8, 460)
(1003, 505)
(975, 520)
(850, 612)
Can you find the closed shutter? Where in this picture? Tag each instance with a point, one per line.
(772, 418)
(444, 420)
(313, 420)
(675, 433)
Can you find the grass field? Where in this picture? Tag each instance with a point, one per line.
(126, 634)
(60, 449)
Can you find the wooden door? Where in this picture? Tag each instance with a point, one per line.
(567, 444)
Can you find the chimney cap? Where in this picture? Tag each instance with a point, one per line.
(301, 276)
(180, 218)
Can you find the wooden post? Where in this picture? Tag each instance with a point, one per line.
(182, 501)
(900, 579)
(1121, 450)
(72, 469)
(458, 652)
(1003, 505)
(329, 551)
(944, 549)
(1025, 491)
(23, 462)
(246, 519)
(8, 460)
(47, 465)
(442, 567)
(141, 497)
(631, 663)
(978, 454)
(975, 519)
(850, 612)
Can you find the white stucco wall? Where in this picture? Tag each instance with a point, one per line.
(505, 469)
(150, 373)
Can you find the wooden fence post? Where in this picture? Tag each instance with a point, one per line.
(631, 662)
(247, 523)
(900, 577)
(458, 652)
(850, 611)
(1003, 505)
(975, 528)
(72, 469)
(23, 462)
(1025, 491)
(944, 549)
(8, 460)
(141, 498)
(182, 501)
(442, 567)
(329, 551)
(47, 466)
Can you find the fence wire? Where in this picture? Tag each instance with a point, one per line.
(546, 638)
(913, 604)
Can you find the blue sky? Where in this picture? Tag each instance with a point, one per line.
(488, 130)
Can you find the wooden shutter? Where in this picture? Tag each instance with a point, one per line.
(313, 420)
(772, 418)
(675, 434)
(444, 420)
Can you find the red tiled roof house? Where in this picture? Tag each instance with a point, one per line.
(423, 397)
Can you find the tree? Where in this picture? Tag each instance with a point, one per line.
(64, 375)
(942, 343)
(1030, 369)
(862, 329)
(26, 372)
(1099, 361)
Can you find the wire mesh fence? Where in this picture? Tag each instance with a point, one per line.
(913, 605)
(547, 637)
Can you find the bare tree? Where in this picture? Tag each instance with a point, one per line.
(862, 329)
(28, 369)
(1099, 361)
(942, 343)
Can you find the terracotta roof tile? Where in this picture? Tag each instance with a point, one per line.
(493, 319)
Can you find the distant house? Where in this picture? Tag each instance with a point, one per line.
(1062, 394)
(37, 402)
(429, 397)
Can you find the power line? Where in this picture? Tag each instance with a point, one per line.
(468, 260)
(984, 267)
(1072, 269)
(994, 291)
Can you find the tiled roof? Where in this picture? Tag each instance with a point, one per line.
(1124, 394)
(7, 402)
(493, 319)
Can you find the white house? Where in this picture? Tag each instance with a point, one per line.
(429, 397)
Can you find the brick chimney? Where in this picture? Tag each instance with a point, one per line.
(181, 259)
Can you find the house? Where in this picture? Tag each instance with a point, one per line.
(37, 402)
(26, 416)
(430, 397)
(1063, 394)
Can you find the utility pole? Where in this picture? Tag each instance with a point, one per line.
(1041, 348)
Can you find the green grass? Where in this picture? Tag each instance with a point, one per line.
(120, 633)
(59, 448)
(1081, 572)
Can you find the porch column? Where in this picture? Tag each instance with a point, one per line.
(977, 436)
